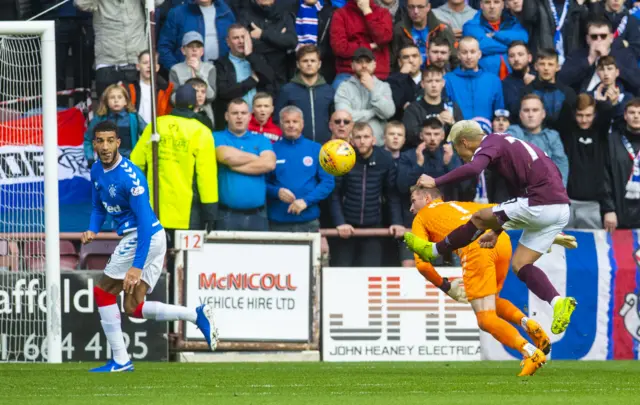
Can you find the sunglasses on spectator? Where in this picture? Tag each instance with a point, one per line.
(339, 121)
(598, 36)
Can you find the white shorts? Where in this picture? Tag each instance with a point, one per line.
(122, 258)
(540, 224)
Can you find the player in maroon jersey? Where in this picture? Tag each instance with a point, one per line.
(540, 208)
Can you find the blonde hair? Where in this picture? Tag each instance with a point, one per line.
(467, 129)
(394, 124)
(103, 108)
(433, 192)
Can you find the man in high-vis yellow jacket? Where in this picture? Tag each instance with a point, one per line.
(188, 171)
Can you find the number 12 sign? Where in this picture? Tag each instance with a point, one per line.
(190, 240)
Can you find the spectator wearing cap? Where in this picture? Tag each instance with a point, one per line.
(585, 142)
(405, 84)
(367, 98)
(356, 202)
(187, 167)
(356, 25)
(495, 29)
(519, 58)
(244, 160)
(532, 130)
(559, 99)
(418, 26)
(242, 72)
(579, 70)
(310, 92)
(433, 103)
(273, 31)
(501, 121)
(194, 67)
(210, 18)
(299, 183)
(120, 36)
(477, 92)
(455, 13)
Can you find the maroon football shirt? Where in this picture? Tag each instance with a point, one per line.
(528, 171)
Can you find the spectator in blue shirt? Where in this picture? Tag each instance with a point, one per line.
(244, 159)
(210, 18)
(298, 183)
(495, 29)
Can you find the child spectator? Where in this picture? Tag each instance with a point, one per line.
(140, 90)
(610, 88)
(501, 121)
(193, 66)
(394, 137)
(202, 110)
(262, 118)
(115, 105)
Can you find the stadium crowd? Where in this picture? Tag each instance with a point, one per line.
(275, 79)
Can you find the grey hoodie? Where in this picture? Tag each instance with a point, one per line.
(373, 107)
(455, 20)
(549, 141)
(180, 73)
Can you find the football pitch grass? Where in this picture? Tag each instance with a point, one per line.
(559, 382)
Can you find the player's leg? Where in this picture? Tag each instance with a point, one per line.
(136, 306)
(505, 309)
(105, 293)
(458, 238)
(538, 283)
(505, 333)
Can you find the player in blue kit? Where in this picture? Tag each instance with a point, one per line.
(120, 189)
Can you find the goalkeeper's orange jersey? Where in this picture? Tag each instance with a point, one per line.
(438, 219)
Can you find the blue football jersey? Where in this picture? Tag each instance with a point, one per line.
(122, 191)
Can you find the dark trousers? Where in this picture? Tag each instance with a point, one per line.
(356, 252)
(242, 220)
(107, 76)
(310, 226)
(75, 34)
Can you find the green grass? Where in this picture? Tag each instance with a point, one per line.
(559, 382)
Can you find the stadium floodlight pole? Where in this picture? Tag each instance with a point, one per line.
(46, 31)
(155, 137)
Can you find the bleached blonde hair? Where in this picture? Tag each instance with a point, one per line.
(467, 129)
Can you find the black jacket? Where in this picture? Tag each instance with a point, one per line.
(559, 101)
(418, 111)
(229, 88)
(537, 18)
(404, 90)
(577, 73)
(357, 196)
(512, 87)
(328, 68)
(631, 32)
(618, 171)
(587, 154)
(278, 36)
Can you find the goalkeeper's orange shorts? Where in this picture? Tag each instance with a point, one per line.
(484, 270)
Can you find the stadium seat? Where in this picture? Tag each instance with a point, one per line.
(33, 255)
(95, 255)
(69, 258)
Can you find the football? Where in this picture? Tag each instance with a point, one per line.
(337, 157)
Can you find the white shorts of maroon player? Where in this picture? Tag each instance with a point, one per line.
(540, 224)
(122, 258)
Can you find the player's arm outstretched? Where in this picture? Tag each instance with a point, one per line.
(453, 289)
(98, 214)
(464, 172)
(140, 206)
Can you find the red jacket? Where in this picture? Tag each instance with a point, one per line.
(269, 130)
(350, 30)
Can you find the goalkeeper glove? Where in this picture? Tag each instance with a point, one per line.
(454, 290)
